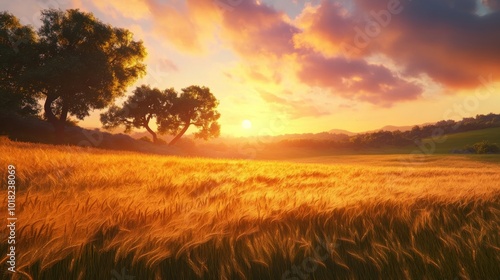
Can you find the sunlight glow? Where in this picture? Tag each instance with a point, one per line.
(246, 124)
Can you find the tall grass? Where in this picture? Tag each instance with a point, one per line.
(86, 214)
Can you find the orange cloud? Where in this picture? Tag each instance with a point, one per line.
(188, 25)
(293, 107)
(135, 9)
(325, 29)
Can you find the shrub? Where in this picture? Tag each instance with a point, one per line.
(484, 147)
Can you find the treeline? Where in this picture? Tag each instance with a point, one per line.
(393, 138)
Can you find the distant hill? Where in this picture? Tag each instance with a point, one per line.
(393, 128)
(462, 139)
(342, 131)
(390, 128)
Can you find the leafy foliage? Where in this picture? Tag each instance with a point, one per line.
(143, 106)
(173, 113)
(18, 53)
(484, 147)
(196, 106)
(82, 64)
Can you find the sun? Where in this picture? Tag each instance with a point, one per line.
(246, 124)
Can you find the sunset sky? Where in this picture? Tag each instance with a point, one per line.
(312, 66)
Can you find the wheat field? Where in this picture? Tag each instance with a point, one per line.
(92, 214)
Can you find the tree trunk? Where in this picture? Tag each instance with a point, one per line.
(146, 125)
(60, 135)
(48, 109)
(57, 123)
(176, 138)
(155, 137)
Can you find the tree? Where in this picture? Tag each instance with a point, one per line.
(484, 147)
(18, 53)
(195, 106)
(140, 108)
(85, 64)
(174, 114)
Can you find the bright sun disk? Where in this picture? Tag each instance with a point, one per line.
(246, 124)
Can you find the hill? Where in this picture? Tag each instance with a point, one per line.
(31, 129)
(392, 128)
(342, 131)
(460, 140)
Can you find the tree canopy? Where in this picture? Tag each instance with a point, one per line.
(84, 64)
(196, 106)
(143, 106)
(18, 53)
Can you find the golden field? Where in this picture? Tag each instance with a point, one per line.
(92, 214)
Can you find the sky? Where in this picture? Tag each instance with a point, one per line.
(311, 66)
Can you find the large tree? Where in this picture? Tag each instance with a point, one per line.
(17, 54)
(196, 106)
(143, 106)
(84, 64)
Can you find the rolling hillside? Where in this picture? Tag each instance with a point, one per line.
(460, 140)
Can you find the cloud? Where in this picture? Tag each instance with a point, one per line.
(357, 80)
(258, 30)
(293, 107)
(134, 9)
(324, 28)
(444, 39)
(249, 28)
(331, 46)
(168, 65)
(492, 4)
(271, 98)
(188, 25)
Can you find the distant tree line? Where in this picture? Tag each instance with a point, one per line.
(393, 138)
(74, 64)
(450, 126)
